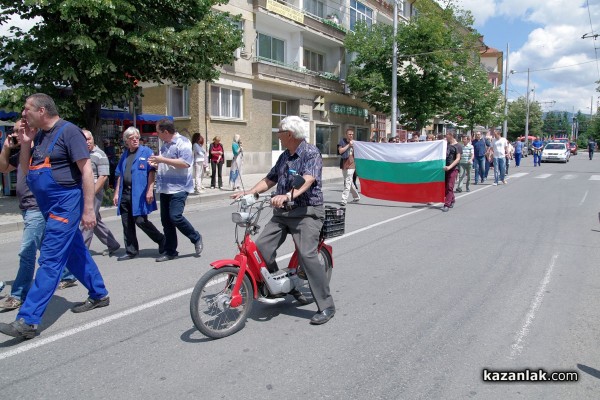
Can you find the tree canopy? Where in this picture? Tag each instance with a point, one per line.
(517, 111)
(88, 53)
(438, 64)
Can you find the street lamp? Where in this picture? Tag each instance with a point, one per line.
(505, 125)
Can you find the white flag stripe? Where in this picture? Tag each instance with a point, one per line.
(401, 152)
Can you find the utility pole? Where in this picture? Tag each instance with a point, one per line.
(395, 73)
(527, 114)
(505, 125)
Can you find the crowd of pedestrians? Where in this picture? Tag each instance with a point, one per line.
(61, 179)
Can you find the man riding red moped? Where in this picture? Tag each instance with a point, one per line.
(297, 211)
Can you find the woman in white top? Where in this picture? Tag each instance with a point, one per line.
(200, 162)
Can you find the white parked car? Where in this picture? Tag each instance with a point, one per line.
(556, 152)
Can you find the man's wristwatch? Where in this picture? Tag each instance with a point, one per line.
(289, 196)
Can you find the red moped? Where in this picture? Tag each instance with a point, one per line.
(223, 297)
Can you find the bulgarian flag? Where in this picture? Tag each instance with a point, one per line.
(407, 172)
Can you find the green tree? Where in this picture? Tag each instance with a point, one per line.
(475, 102)
(88, 53)
(433, 48)
(517, 111)
(556, 124)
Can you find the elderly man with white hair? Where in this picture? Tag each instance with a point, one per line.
(304, 219)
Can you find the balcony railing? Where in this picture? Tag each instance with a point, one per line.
(295, 74)
(323, 25)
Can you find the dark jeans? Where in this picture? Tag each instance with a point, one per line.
(129, 222)
(171, 216)
(216, 168)
(479, 166)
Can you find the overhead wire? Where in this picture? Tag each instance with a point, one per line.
(594, 37)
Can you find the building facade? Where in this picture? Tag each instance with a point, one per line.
(293, 62)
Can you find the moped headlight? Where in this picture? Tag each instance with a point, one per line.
(240, 217)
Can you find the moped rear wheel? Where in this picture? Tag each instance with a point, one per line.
(209, 305)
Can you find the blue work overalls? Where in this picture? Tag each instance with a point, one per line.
(62, 244)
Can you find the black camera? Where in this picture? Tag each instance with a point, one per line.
(14, 140)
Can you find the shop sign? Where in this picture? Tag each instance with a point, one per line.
(349, 110)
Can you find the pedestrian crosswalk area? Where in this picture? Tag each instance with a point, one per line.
(566, 177)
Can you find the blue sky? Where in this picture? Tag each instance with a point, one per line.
(545, 36)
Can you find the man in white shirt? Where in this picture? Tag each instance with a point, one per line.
(500, 147)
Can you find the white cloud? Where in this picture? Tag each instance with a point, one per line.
(482, 10)
(555, 42)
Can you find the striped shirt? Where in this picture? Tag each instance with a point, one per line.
(170, 180)
(465, 157)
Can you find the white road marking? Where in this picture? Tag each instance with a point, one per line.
(543, 176)
(517, 346)
(569, 177)
(35, 343)
(584, 197)
(595, 178)
(519, 174)
(41, 342)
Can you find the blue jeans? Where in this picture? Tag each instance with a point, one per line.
(479, 166)
(518, 158)
(499, 168)
(171, 217)
(33, 231)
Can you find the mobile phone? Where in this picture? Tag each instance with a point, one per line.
(14, 140)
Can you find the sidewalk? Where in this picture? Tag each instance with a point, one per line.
(11, 219)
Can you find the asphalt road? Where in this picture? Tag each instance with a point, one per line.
(507, 280)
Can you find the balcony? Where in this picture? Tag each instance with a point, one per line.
(290, 74)
(294, 15)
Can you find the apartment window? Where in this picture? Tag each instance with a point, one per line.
(327, 139)
(239, 25)
(278, 112)
(271, 48)
(225, 102)
(313, 61)
(179, 101)
(360, 13)
(315, 7)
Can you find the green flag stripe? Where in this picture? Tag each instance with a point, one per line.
(414, 172)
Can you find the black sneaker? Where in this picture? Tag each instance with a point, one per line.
(19, 329)
(90, 304)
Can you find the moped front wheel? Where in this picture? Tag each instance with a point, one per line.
(210, 303)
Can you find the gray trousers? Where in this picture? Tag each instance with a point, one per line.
(304, 224)
(100, 230)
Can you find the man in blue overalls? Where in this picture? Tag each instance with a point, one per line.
(60, 176)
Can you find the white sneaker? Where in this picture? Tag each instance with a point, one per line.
(495, 184)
